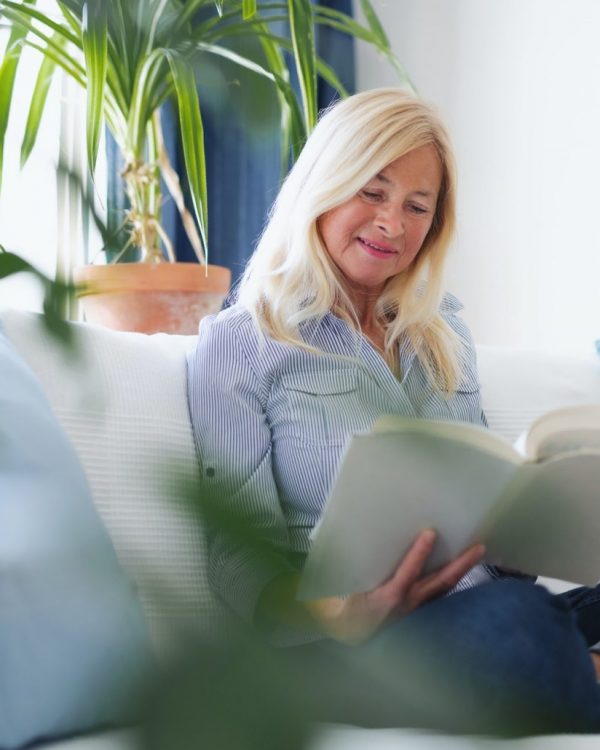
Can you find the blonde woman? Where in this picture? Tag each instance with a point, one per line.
(339, 319)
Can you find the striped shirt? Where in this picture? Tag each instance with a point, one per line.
(271, 421)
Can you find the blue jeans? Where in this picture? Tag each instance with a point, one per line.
(504, 658)
(585, 603)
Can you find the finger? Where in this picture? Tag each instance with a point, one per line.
(411, 566)
(441, 581)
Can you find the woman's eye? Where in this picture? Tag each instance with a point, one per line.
(419, 209)
(370, 195)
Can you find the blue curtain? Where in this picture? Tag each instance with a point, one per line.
(243, 164)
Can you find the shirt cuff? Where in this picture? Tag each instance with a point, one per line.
(239, 578)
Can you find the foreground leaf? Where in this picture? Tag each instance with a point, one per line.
(55, 292)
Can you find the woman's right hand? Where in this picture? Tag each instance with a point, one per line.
(354, 619)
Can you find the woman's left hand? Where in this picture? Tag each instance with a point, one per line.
(353, 619)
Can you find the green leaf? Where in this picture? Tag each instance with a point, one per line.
(248, 9)
(156, 16)
(69, 16)
(303, 38)
(293, 130)
(222, 22)
(75, 7)
(67, 63)
(95, 50)
(282, 83)
(374, 24)
(235, 57)
(55, 292)
(192, 138)
(337, 20)
(38, 101)
(138, 37)
(323, 69)
(120, 65)
(276, 62)
(374, 35)
(188, 11)
(23, 15)
(212, 32)
(8, 72)
(10, 263)
(141, 106)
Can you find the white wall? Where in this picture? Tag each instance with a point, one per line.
(518, 84)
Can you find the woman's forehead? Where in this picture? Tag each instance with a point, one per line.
(422, 163)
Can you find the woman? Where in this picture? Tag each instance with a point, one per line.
(340, 318)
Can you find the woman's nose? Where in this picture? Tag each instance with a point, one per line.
(390, 222)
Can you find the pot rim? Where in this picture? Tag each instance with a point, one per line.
(139, 277)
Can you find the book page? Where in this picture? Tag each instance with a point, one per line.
(575, 428)
(470, 434)
(391, 486)
(548, 522)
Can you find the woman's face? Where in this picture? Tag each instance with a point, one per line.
(379, 232)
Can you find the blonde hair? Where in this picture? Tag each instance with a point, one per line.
(291, 278)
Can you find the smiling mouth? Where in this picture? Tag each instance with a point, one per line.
(375, 249)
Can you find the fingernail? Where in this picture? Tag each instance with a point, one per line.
(428, 535)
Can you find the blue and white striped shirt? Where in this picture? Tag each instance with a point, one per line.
(271, 420)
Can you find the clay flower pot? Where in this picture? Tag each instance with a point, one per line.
(151, 297)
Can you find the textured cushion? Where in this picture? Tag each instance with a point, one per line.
(520, 385)
(73, 640)
(125, 739)
(343, 737)
(123, 402)
(340, 737)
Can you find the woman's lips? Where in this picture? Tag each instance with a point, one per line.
(376, 249)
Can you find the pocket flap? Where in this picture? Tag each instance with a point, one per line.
(468, 385)
(321, 382)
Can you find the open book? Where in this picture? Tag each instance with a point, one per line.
(536, 506)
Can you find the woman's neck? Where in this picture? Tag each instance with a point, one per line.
(370, 325)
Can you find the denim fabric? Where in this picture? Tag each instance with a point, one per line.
(505, 658)
(585, 602)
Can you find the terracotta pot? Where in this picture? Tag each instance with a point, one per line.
(151, 297)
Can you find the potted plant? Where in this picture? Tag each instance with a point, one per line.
(131, 56)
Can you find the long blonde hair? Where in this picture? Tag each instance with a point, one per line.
(291, 278)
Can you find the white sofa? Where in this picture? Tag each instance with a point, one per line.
(122, 400)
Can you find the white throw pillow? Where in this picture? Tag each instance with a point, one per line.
(123, 403)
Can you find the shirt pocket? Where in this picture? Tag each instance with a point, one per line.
(461, 406)
(321, 407)
(464, 405)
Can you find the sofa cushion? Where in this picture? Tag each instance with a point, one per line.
(73, 640)
(340, 737)
(122, 399)
(519, 385)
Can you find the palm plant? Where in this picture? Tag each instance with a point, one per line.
(131, 56)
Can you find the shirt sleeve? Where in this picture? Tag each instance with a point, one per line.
(469, 390)
(246, 528)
